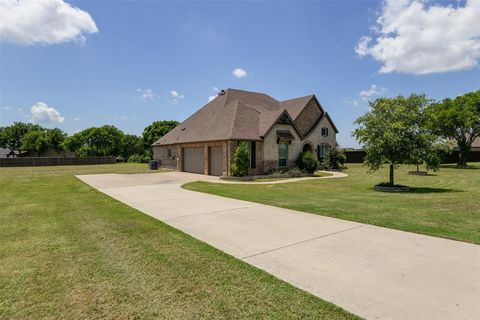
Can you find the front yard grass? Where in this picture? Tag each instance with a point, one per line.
(443, 204)
(70, 252)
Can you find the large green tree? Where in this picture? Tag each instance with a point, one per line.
(393, 133)
(131, 145)
(55, 139)
(156, 130)
(457, 119)
(35, 142)
(96, 141)
(11, 136)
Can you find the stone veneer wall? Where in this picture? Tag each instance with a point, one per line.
(314, 138)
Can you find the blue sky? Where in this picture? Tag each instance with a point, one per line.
(153, 60)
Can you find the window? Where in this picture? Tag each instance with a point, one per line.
(322, 152)
(282, 154)
(324, 132)
(169, 153)
(253, 154)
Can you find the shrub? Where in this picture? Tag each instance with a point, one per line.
(307, 161)
(299, 161)
(335, 159)
(241, 160)
(295, 172)
(140, 158)
(276, 172)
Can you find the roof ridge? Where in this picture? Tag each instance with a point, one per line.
(303, 97)
(250, 92)
(232, 123)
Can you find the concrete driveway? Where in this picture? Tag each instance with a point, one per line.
(374, 272)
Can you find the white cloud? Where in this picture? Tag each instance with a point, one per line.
(76, 119)
(417, 37)
(350, 101)
(373, 91)
(121, 117)
(365, 95)
(42, 113)
(216, 90)
(240, 73)
(7, 107)
(43, 21)
(175, 96)
(145, 95)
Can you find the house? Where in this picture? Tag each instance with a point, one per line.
(475, 144)
(276, 133)
(4, 152)
(475, 147)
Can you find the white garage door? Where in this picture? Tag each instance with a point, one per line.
(215, 161)
(193, 160)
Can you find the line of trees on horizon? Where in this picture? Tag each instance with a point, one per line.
(27, 139)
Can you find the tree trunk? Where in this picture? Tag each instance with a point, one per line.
(392, 172)
(418, 168)
(463, 154)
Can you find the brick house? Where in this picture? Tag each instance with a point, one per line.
(276, 133)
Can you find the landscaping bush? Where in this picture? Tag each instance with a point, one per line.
(276, 172)
(139, 158)
(335, 159)
(241, 160)
(307, 161)
(295, 172)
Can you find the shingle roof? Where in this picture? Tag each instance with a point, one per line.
(476, 143)
(234, 115)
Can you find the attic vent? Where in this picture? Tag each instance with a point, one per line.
(183, 129)
(221, 93)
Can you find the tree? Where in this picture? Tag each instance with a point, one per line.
(55, 139)
(307, 161)
(335, 158)
(156, 130)
(96, 141)
(11, 136)
(35, 142)
(457, 119)
(241, 160)
(393, 133)
(131, 145)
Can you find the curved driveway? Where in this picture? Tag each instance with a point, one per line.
(374, 272)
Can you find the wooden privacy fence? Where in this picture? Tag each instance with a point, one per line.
(358, 155)
(41, 161)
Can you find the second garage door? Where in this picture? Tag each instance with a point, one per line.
(193, 160)
(215, 161)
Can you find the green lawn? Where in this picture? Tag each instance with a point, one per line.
(444, 204)
(70, 252)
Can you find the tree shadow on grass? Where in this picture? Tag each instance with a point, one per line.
(431, 190)
(454, 166)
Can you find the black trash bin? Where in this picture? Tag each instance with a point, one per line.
(153, 164)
